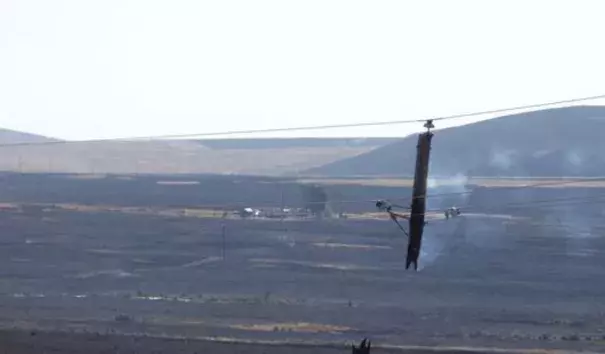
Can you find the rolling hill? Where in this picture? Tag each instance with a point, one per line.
(547, 143)
(8, 136)
(226, 156)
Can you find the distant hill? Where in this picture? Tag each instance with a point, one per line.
(225, 156)
(8, 136)
(554, 142)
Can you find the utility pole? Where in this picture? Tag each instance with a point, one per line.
(418, 208)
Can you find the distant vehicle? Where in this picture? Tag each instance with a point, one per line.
(247, 212)
(451, 212)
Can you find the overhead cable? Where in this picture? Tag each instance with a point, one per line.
(306, 128)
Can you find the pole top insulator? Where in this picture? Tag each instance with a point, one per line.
(429, 124)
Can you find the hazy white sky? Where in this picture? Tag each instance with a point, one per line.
(84, 69)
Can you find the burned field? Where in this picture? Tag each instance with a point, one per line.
(502, 275)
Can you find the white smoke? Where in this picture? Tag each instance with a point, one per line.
(445, 192)
(442, 193)
(433, 246)
(541, 153)
(502, 159)
(575, 158)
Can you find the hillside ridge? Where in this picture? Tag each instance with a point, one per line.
(552, 142)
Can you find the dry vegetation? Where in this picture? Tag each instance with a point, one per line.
(301, 327)
(168, 157)
(215, 213)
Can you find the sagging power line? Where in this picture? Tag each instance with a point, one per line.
(307, 128)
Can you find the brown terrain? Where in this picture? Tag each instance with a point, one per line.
(120, 265)
(27, 342)
(135, 247)
(276, 157)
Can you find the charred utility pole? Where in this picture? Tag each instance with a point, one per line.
(418, 208)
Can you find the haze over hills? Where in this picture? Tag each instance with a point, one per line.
(547, 143)
(220, 156)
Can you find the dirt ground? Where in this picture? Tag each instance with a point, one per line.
(514, 279)
(28, 342)
(331, 281)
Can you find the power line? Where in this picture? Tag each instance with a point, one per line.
(504, 110)
(304, 128)
(341, 126)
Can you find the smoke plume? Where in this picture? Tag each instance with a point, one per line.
(442, 193)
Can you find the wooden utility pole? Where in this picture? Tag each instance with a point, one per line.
(418, 209)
